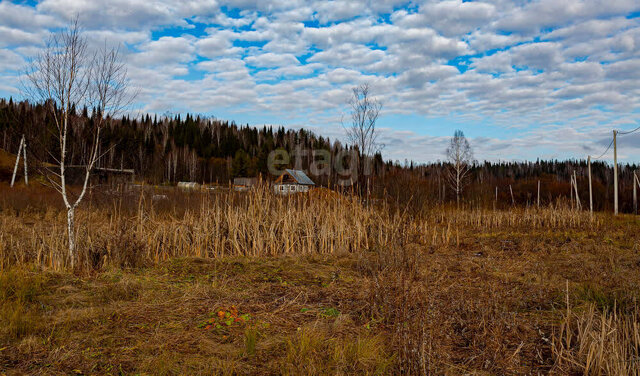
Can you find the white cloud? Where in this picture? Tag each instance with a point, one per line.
(348, 55)
(338, 10)
(481, 40)
(582, 71)
(165, 50)
(10, 61)
(543, 56)
(554, 13)
(24, 17)
(17, 37)
(542, 67)
(450, 18)
(624, 70)
(129, 14)
(216, 45)
(419, 77)
(271, 60)
(344, 76)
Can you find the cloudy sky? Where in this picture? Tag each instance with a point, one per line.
(522, 79)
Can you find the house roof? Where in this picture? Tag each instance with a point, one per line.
(300, 177)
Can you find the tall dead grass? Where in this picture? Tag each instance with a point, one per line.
(450, 318)
(136, 228)
(593, 342)
(552, 217)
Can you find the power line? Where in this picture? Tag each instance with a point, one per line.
(611, 143)
(605, 152)
(627, 132)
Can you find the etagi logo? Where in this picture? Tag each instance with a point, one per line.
(343, 164)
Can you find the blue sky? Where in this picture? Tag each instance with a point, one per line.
(523, 79)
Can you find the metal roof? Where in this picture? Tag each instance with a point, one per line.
(300, 177)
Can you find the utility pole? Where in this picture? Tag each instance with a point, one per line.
(571, 189)
(15, 168)
(24, 157)
(495, 203)
(636, 183)
(615, 173)
(575, 186)
(538, 193)
(513, 201)
(590, 189)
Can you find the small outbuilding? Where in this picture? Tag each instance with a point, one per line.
(103, 176)
(244, 184)
(188, 185)
(293, 181)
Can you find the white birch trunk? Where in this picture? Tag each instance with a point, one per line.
(15, 168)
(71, 231)
(458, 187)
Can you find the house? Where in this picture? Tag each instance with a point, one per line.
(244, 184)
(292, 181)
(114, 176)
(75, 174)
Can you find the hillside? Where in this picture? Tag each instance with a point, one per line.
(166, 150)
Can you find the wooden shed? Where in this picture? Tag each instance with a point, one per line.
(75, 174)
(244, 184)
(292, 181)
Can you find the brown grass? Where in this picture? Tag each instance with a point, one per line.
(129, 229)
(331, 285)
(592, 342)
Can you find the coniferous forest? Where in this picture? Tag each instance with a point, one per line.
(168, 149)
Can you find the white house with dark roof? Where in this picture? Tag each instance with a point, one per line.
(293, 181)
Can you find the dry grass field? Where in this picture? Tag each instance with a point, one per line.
(252, 284)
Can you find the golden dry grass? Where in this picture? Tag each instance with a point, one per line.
(133, 228)
(331, 286)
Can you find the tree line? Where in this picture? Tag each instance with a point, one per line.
(168, 149)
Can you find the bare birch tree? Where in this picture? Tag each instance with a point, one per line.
(362, 132)
(66, 76)
(460, 157)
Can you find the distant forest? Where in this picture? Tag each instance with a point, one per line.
(168, 149)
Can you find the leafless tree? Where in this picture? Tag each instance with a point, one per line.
(460, 157)
(362, 132)
(66, 76)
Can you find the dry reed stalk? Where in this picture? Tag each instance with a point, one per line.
(591, 342)
(254, 223)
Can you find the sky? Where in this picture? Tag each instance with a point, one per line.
(522, 79)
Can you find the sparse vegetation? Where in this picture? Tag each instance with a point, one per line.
(251, 283)
(593, 342)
